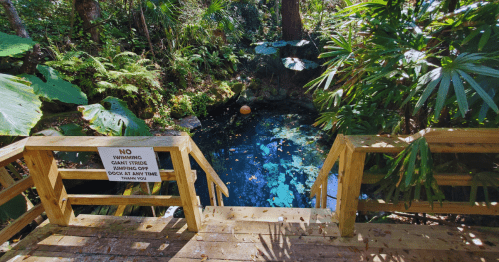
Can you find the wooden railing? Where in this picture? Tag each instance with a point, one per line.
(58, 204)
(12, 189)
(352, 150)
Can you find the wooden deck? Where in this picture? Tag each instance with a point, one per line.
(251, 234)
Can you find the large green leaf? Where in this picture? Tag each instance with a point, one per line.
(56, 88)
(114, 118)
(20, 107)
(13, 45)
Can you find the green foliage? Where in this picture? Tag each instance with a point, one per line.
(217, 15)
(455, 71)
(190, 104)
(55, 88)
(483, 179)
(20, 109)
(13, 45)
(410, 170)
(72, 129)
(406, 57)
(113, 118)
(13, 208)
(125, 74)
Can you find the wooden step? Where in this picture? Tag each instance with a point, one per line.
(269, 214)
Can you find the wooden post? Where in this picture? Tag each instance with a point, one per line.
(220, 197)
(324, 194)
(352, 180)
(211, 192)
(318, 198)
(43, 169)
(182, 168)
(341, 175)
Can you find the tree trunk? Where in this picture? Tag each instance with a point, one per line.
(291, 20)
(14, 19)
(89, 10)
(276, 11)
(146, 31)
(31, 61)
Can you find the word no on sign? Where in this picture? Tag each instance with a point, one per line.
(133, 164)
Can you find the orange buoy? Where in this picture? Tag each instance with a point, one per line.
(245, 110)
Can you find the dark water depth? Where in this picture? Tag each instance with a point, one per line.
(269, 158)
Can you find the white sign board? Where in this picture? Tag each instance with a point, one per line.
(133, 164)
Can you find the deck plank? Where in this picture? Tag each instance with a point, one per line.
(222, 238)
(306, 215)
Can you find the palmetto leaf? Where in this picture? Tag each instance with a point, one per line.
(456, 72)
(460, 94)
(484, 179)
(413, 166)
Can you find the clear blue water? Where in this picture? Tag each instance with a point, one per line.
(267, 159)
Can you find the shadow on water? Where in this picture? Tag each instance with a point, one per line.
(269, 158)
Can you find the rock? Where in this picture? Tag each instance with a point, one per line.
(191, 122)
(246, 97)
(166, 133)
(255, 84)
(308, 104)
(237, 88)
(277, 94)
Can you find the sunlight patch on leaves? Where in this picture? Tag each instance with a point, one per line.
(114, 118)
(56, 88)
(13, 44)
(20, 109)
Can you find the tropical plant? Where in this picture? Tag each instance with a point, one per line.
(112, 117)
(483, 179)
(405, 58)
(124, 74)
(22, 107)
(411, 170)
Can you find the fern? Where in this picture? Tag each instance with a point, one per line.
(125, 75)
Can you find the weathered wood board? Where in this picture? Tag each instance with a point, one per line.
(226, 235)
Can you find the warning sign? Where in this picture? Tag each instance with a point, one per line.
(134, 164)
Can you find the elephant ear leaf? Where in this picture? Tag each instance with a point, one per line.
(114, 118)
(13, 44)
(56, 88)
(20, 107)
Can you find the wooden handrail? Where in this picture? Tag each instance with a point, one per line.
(12, 152)
(20, 223)
(114, 200)
(48, 178)
(15, 189)
(207, 168)
(454, 179)
(334, 154)
(12, 189)
(100, 174)
(91, 143)
(352, 175)
(480, 208)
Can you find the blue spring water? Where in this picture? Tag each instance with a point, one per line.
(266, 159)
